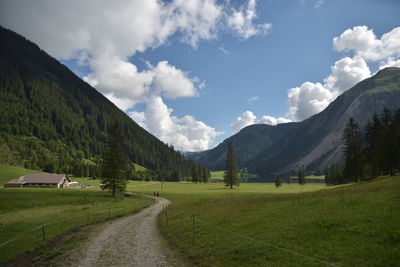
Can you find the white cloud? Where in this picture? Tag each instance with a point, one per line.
(308, 99)
(241, 21)
(196, 19)
(272, 120)
(172, 82)
(248, 118)
(346, 73)
(390, 63)
(185, 133)
(105, 35)
(311, 98)
(365, 44)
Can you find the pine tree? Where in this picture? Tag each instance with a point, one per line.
(195, 173)
(278, 182)
(231, 175)
(301, 175)
(373, 137)
(353, 152)
(388, 143)
(114, 165)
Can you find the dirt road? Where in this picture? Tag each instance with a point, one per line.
(129, 241)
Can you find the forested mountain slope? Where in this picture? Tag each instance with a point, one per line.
(51, 119)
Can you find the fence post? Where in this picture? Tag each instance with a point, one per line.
(166, 213)
(193, 228)
(43, 232)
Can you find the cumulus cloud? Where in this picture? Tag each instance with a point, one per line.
(364, 43)
(248, 118)
(105, 35)
(172, 82)
(241, 21)
(346, 73)
(245, 119)
(311, 98)
(390, 63)
(185, 133)
(272, 120)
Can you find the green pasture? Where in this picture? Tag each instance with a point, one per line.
(256, 224)
(8, 173)
(23, 211)
(217, 175)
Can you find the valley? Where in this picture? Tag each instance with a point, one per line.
(199, 133)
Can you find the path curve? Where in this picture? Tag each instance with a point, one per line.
(131, 241)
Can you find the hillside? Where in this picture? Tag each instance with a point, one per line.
(249, 142)
(315, 142)
(52, 120)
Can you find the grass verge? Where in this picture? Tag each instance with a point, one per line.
(349, 225)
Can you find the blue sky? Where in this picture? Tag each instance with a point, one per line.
(219, 73)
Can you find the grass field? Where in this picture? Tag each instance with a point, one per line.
(355, 225)
(8, 173)
(24, 210)
(217, 175)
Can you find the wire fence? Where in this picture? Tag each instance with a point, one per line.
(198, 227)
(32, 238)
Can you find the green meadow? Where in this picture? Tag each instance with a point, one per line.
(27, 213)
(211, 225)
(261, 225)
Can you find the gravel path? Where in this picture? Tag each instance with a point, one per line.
(130, 241)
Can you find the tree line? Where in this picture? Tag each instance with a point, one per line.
(368, 152)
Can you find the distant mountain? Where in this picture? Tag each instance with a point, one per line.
(51, 119)
(315, 142)
(249, 142)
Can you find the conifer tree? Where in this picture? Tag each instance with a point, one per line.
(231, 175)
(301, 175)
(373, 137)
(388, 143)
(278, 182)
(114, 165)
(353, 152)
(195, 173)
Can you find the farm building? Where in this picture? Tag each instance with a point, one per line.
(40, 180)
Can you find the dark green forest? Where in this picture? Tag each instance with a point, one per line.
(52, 120)
(370, 151)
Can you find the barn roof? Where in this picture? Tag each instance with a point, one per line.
(39, 178)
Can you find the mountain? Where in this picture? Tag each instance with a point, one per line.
(315, 142)
(53, 120)
(249, 142)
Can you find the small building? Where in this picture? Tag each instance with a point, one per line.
(40, 180)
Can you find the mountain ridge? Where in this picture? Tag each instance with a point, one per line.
(316, 141)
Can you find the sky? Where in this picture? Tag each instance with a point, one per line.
(194, 72)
